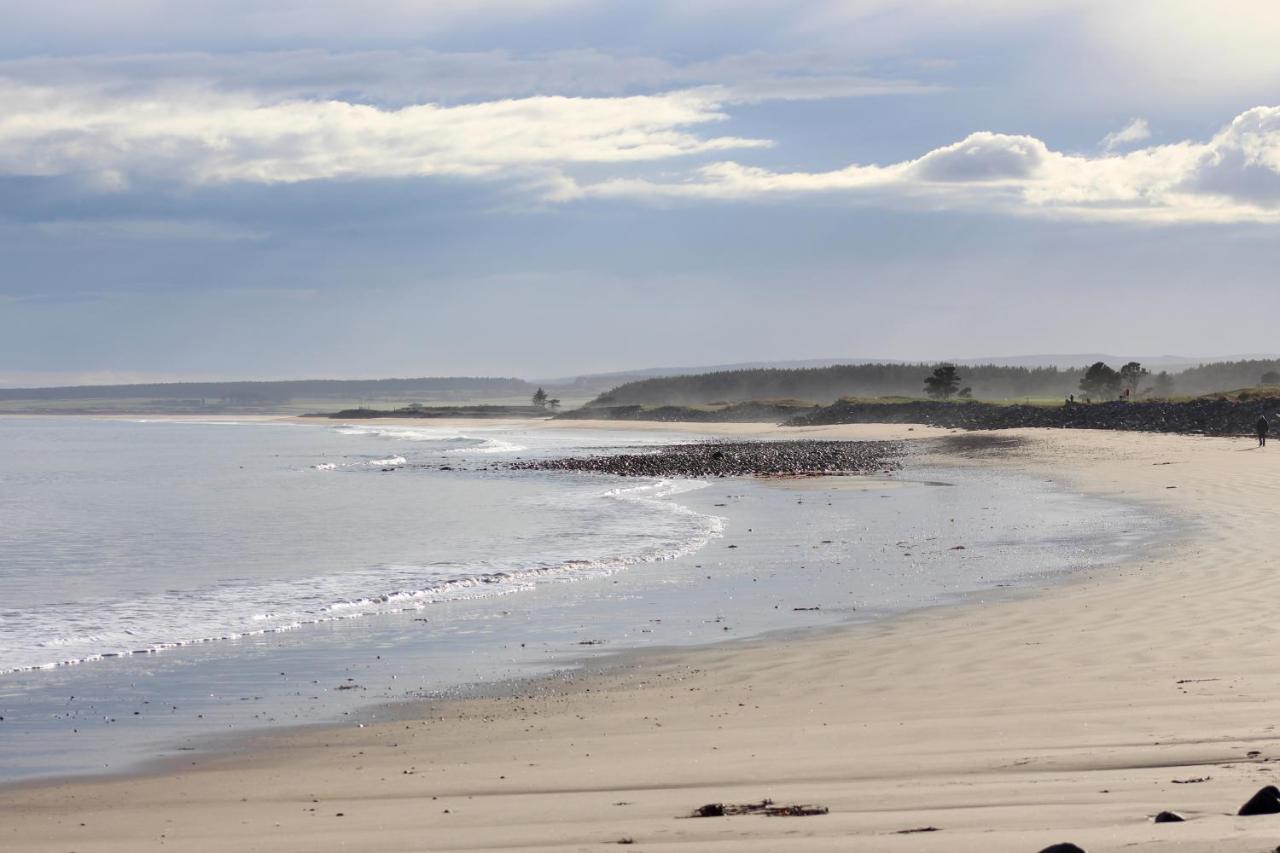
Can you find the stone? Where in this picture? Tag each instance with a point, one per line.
(1266, 801)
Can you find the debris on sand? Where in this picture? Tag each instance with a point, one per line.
(764, 807)
(917, 829)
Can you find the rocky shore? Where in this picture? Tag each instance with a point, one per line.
(736, 459)
(1208, 417)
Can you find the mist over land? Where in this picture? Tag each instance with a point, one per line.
(815, 381)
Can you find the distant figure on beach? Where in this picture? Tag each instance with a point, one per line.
(1262, 427)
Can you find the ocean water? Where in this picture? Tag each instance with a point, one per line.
(164, 582)
(128, 537)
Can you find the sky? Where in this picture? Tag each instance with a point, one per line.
(536, 188)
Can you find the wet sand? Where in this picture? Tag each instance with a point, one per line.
(1072, 714)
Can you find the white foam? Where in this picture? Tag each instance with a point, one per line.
(482, 443)
(401, 433)
(82, 633)
(491, 445)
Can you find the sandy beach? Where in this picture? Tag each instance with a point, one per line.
(1070, 713)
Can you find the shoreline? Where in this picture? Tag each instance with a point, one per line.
(577, 673)
(662, 666)
(787, 514)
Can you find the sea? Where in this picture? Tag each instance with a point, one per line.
(168, 585)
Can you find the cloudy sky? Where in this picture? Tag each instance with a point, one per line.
(257, 189)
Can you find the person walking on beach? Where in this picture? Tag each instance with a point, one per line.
(1262, 427)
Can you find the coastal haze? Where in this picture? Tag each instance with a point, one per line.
(526, 425)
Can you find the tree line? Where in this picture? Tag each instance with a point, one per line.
(990, 382)
(1099, 380)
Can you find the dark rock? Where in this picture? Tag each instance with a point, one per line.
(1266, 801)
(1168, 817)
(1064, 847)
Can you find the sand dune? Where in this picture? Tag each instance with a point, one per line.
(1065, 713)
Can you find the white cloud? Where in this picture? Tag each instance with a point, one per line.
(983, 157)
(1135, 131)
(292, 116)
(201, 136)
(1234, 177)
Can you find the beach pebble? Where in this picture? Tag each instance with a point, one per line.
(1168, 817)
(736, 459)
(1266, 801)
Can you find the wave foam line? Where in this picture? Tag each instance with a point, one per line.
(293, 613)
(436, 434)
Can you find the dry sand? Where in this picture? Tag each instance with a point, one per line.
(1066, 714)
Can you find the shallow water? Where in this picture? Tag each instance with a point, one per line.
(121, 537)
(125, 537)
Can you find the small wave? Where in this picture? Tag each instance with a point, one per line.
(399, 433)
(391, 460)
(171, 620)
(491, 445)
(325, 466)
(442, 435)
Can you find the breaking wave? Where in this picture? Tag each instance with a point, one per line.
(77, 633)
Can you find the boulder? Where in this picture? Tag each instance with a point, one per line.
(1266, 801)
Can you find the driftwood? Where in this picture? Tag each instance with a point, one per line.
(764, 807)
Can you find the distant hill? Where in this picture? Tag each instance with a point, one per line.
(265, 396)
